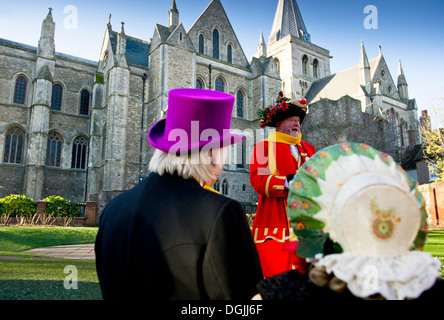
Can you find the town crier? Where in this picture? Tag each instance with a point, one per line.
(273, 164)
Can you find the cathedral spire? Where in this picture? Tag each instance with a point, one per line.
(288, 20)
(402, 83)
(262, 47)
(46, 46)
(121, 48)
(364, 70)
(173, 17)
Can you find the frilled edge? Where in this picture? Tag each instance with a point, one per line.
(395, 278)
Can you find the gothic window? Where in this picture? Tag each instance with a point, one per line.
(401, 132)
(230, 54)
(389, 89)
(215, 44)
(219, 85)
(304, 65)
(225, 187)
(54, 150)
(84, 102)
(20, 90)
(79, 150)
(201, 44)
(315, 69)
(14, 142)
(199, 84)
(278, 64)
(217, 185)
(240, 104)
(56, 98)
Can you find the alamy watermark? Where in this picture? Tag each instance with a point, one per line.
(371, 21)
(70, 281)
(71, 20)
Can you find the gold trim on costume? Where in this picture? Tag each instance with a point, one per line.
(266, 187)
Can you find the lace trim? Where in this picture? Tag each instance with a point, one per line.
(395, 278)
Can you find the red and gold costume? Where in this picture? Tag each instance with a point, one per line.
(272, 161)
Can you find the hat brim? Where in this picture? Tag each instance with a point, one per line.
(180, 144)
(293, 111)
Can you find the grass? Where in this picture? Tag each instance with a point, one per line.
(16, 239)
(435, 245)
(30, 277)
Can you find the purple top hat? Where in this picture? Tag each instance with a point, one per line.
(196, 118)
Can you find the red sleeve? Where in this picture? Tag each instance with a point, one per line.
(260, 177)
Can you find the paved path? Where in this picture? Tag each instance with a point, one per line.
(77, 251)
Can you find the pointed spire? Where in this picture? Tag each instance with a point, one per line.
(46, 46)
(109, 21)
(402, 83)
(262, 47)
(363, 62)
(288, 20)
(173, 5)
(121, 48)
(401, 75)
(122, 30)
(364, 70)
(173, 16)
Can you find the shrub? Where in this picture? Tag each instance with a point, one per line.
(17, 206)
(61, 207)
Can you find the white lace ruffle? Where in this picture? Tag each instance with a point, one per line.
(395, 278)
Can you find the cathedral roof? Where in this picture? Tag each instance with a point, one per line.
(26, 47)
(288, 20)
(335, 86)
(136, 50)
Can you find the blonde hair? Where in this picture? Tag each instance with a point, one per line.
(202, 166)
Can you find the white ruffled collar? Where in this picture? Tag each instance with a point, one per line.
(395, 278)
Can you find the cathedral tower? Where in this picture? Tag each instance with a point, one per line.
(300, 61)
(41, 104)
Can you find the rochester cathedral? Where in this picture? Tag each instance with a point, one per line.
(77, 128)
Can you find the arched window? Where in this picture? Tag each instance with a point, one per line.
(201, 44)
(219, 85)
(20, 90)
(56, 98)
(199, 84)
(315, 68)
(225, 187)
(54, 150)
(240, 104)
(216, 185)
(215, 44)
(79, 150)
(230, 54)
(304, 65)
(14, 143)
(84, 102)
(278, 64)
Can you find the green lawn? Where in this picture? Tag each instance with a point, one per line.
(30, 277)
(435, 245)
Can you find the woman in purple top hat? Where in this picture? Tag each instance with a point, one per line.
(172, 236)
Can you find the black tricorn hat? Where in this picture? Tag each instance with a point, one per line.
(282, 109)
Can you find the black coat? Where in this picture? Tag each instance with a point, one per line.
(169, 238)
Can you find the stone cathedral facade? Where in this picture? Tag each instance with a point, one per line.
(77, 128)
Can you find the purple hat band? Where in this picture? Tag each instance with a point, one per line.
(195, 118)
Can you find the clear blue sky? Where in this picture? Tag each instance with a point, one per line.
(412, 31)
